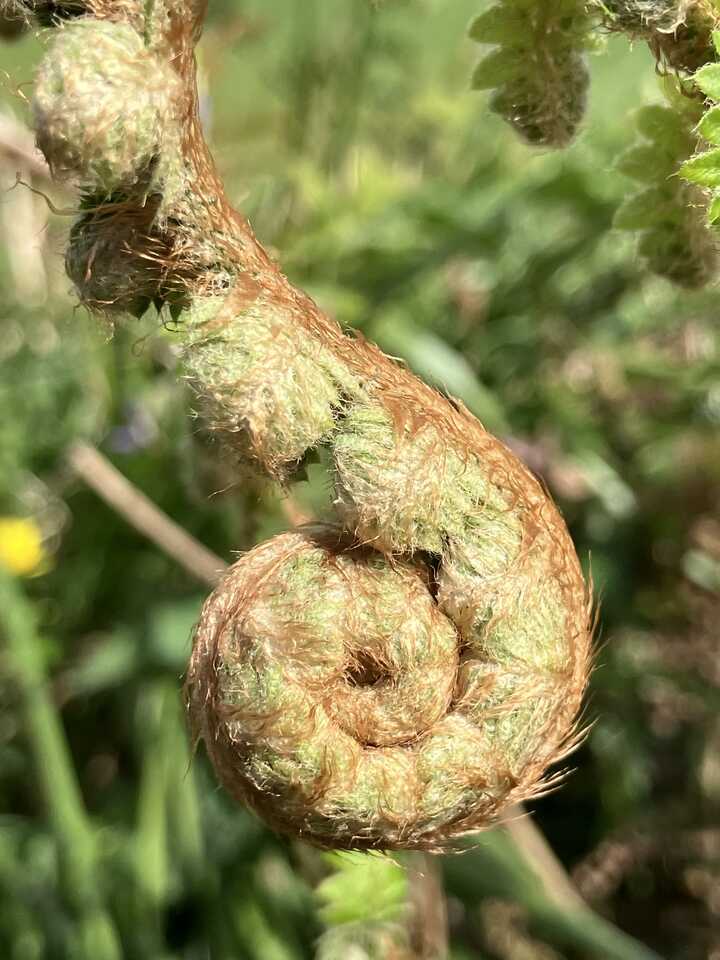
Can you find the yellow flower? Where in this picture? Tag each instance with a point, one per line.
(21, 549)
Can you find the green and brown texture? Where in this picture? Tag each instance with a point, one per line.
(539, 81)
(702, 170)
(13, 22)
(537, 72)
(678, 32)
(395, 678)
(668, 213)
(496, 273)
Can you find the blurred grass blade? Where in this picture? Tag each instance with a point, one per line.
(152, 828)
(55, 772)
(259, 939)
(185, 822)
(496, 868)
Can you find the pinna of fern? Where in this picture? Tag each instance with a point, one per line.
(703, 168)
(667, 213)
(537, 71)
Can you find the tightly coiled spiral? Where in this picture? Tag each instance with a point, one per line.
(393, 678)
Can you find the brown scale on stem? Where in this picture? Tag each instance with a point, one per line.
(678, 32)
(398, 676)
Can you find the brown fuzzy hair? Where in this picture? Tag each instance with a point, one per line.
(398, 676)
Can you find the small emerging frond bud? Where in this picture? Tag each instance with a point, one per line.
(101, 103)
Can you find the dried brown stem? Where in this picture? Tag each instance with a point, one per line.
(99, 474)
(429, 922)
(531, 843)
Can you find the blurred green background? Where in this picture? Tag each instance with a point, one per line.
(347, 133)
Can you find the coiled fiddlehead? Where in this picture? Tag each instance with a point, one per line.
(393, 679)
(537, 72)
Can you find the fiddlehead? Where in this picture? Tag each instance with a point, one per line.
(537, 72)
(392, 679)
(668, 213)
(703, 169)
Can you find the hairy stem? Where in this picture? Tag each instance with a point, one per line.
(393, 678)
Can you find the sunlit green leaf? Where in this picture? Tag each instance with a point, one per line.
(362, 887)
(714, 209)
(704, 169)
(707, 79)
(709, 126)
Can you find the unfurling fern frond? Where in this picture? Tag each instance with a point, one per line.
(395, 677)
(667, 212)
(703, 169)
(537, 72)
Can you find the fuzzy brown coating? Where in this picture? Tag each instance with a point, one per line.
(393, 679)
(678, 32)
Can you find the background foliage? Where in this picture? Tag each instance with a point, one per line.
(349, 136)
